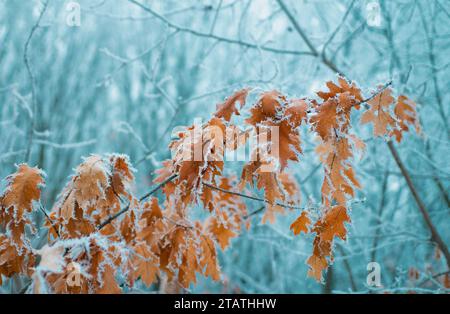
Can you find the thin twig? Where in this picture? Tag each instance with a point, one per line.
(435, 236)
(49, 219)
(216, 37)
(33, 83)
(251, 197)
(216, 15)
(338, 28)
(171, 178)
(255, 212)
(124, 210)
(348, 268)
(379, 91)
(375, 94)
(433, 277)
(313, 50)
(434, 233)
(379, 216)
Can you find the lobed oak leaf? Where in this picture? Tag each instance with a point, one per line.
(226, 109)
(71, 280)
(290, 187)
(122, 174)
(340, 180)
(128, 225)
(289, 144)
(94, 193)
(325, 121)
(329, 226)
(406, 114)
(266, 108)
(268, 181)
(109, 284)
(317, 264)
(91, 181)
(151, 223)
(343, 87)
(146, 264)
(14, 261)
(332, 224)
(318, 261)
(296, 112)
(165, 172)
(208, 261)
(378, 113)
(23, 188)
(301, 224)
(276, 121)
(189, 265)
(220, 231)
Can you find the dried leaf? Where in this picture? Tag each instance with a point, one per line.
(301, 224)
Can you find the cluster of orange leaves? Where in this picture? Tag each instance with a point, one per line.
(99, 231)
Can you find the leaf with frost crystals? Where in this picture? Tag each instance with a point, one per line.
(52, 258)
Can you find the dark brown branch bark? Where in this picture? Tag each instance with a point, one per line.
(433, 277)
(42, 209)
(252, 197)
(435, 176)
(435, 237)
(434, 233)
(379, 216)
(162, 184)
(347, 267)
(255, 212)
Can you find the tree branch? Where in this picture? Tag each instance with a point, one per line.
(49, 219)
(434, 233)
(313, 50)
(124, 210)
(32, 82)
(216, 37)
(255, 212)
(171, 178)
(251, 197)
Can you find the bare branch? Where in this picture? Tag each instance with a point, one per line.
(216, 37)
(33, 83)
(434, 233)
